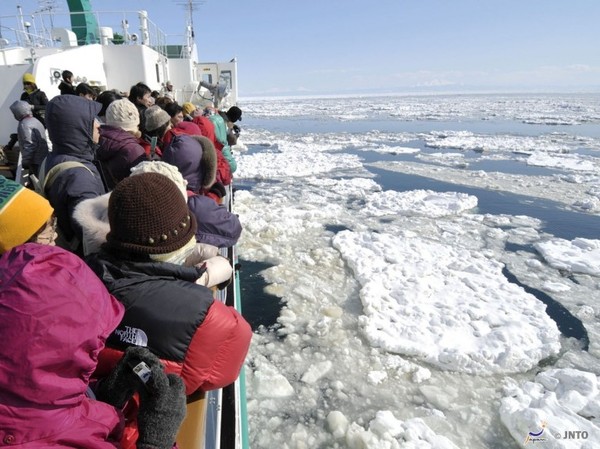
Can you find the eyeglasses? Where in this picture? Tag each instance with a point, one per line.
(27, 84)
(48, 235)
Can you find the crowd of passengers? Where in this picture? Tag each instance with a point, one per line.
(108, 271)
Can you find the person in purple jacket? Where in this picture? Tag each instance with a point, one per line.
(119, 149)
(195, 157)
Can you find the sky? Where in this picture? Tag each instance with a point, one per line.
(335, 46)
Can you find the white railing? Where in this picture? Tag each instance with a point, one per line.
(128, 28)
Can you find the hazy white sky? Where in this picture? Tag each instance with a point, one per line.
(344, 46)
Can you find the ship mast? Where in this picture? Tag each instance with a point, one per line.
(190, 44)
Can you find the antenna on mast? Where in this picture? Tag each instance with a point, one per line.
(190, 6)
(47, 5)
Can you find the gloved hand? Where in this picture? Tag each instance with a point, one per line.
(218, 189)
(162, 410)
(201, 252)
(118, 387)
(217, 271)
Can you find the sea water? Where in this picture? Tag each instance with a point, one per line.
(421, 271)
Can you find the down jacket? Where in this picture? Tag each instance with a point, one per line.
(31, 134)
(38, 100)
(196, 336)
(55, 315)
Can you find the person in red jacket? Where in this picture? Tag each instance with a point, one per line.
(152, 232)
(224, 174)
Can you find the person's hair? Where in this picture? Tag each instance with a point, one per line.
(83, 89)
(155, 94)
(66, 74)
(106, 98)
(173, 109)
(163, 102)
(138, 91)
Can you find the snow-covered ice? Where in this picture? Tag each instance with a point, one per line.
(399, 327)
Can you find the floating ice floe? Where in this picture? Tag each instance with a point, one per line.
(559, 410)
(450, 307)
(420, 202)
(568, 162)
(298, 161)
(577, 256)
(467, 140)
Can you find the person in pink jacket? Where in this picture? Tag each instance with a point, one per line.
(55, 316)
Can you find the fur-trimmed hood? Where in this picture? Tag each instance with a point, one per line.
(92, 216)
(196, 159)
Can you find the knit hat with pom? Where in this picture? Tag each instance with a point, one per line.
(123, 114)
(148, 215)
(155, 117)
(22, 213)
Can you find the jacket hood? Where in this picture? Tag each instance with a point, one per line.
(21, 109)
(196, 159)
(56, 315)
(70, 123)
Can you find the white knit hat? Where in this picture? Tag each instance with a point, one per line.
(123, 114)
(170, 171)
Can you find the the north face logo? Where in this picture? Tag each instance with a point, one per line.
(132, 335)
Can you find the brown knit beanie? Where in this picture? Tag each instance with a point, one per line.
(148, 215)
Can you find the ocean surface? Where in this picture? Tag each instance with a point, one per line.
(421, 271)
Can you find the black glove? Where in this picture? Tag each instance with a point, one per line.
(218, 189)
(118, 387)
(162, 410)
(236, 129)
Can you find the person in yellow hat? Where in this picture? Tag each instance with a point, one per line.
(34, 96)
(25, 216)
(188, 110)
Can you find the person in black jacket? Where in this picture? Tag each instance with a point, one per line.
(66, 85)
(74, 132)
(34, 96)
